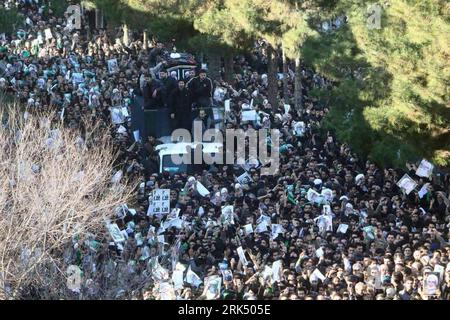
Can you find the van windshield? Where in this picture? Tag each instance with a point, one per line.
(171, 167)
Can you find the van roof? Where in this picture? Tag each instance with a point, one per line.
(180, 147)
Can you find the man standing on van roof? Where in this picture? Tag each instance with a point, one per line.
(201, 88)
(180, 106)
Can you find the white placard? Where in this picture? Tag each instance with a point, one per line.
(193, 278)
(318, 275)
(248, 228)
(177, 278)
(425, 169)
(136, 135)
(201, 189)
(249, 115)
(159, 202)
(261, 227)
(115, 232)
(113, 66)
(327, 194)
(244, 178)
(276, 230)
(276, 271)
(48, 34)
(319, 252)
(227, 215)
(117, 117)
(242, 257)
(166, 291)
(213, 285)
(313, 196)
(407, 184)
(227, 105)
(440, 269)
(342, 228)
(424, 190)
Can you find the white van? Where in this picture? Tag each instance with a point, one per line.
(166, 150)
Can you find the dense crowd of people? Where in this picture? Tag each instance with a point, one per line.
(360, 238)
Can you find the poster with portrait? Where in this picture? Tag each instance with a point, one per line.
(159, 202)
(431, 283)
(407, 184)
(244, 178)
(113, 66)
(213, 286)
(425, 169)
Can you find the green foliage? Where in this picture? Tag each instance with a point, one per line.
(400, 98)
(10, 20)
(59, 7)
(391, 100)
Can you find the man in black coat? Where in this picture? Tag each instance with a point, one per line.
(152, 94)
(169, 84)
(201, 89)
(180, 105)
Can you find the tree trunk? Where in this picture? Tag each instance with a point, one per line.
(298, 85)
(126, 36)
(214, 66)
(229, 67)
(286, 95)
(145, 39)
(272, 77)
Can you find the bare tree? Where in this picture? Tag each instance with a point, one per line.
(55, 183)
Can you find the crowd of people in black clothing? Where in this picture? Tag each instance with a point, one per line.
(327, 225)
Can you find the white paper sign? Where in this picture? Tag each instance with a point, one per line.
(113, 66)
(248, 229)
(242, 257)
(276, 230)
(276, 271)
(227, 105)
(212, 287)
(313, 196)
(136, 135)
(424, 190)
(201, 189)
(318, 275)
(227, 214)
(319, 252)
(425, 169)
(115, 232)
(327, 194)
(261, 227)
(249, 115)
(48, 34)
(117, 116)
(244, 178)
(324, 222)
(117, 177)
(159, 202)
(177, 278)
(166, 291)
(440, 269)
(177, 223)
(342, 228)
(407, 184)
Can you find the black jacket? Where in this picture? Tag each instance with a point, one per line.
(169, 84)
(180, 102)
(150, 101)
(200, 88)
